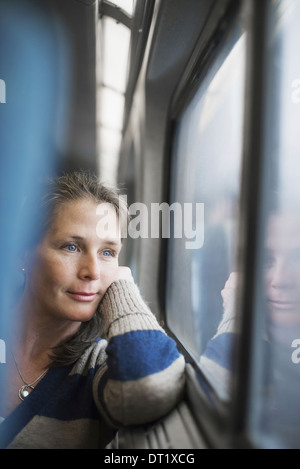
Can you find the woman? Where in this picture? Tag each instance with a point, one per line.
(65, 385)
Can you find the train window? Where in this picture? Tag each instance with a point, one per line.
(205, 181)
(274, 404)
(126, 5)
(113, 57)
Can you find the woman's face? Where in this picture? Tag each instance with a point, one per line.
(282, 269)
(76, 261)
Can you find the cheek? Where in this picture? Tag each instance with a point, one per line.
(109, 273)
(267, 278)
(50, 273)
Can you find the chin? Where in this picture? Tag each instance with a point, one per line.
(79, 316)
(283, 325)
(84, 317)
(285, 318)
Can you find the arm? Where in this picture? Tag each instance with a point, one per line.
(217, 360)
(228, 322)
(143, 377)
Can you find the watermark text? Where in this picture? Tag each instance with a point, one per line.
(296, 353)
(296, 91)
(181, 221)
(2, 91)
(2, 351)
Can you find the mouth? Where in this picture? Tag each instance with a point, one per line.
(82, 296)
(284, 305)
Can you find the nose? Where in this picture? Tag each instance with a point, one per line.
(282, 275)
(89, 268)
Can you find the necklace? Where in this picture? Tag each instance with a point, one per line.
(25, 389)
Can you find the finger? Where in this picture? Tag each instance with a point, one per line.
(124, 273)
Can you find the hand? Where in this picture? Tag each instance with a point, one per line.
(229, 292)
(124, 273)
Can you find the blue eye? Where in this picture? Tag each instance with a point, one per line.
(71, 247)
(107, 253)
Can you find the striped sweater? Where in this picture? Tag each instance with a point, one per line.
(134, 376)
(217, 361)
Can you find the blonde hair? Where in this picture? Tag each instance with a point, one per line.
(80, 185)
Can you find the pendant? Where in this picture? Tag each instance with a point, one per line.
(24, 391)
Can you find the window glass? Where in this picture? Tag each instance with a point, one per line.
(206, 166)
(126, 5)
(274, 413)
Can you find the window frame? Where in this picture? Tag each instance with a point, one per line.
(225, 424)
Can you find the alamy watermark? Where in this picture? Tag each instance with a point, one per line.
(2, 91)
(2, 351)
(296, 353)
(295, 96)
(181, 221)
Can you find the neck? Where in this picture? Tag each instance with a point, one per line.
(36, 335)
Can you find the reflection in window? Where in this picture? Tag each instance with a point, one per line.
(274, 413)
(206, 169)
